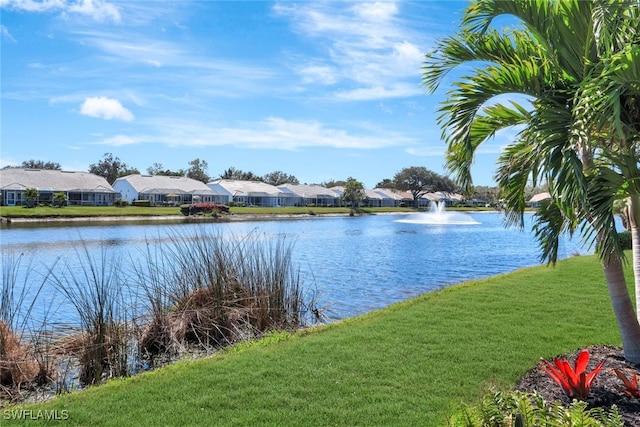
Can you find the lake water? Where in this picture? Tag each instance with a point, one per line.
(355, 264)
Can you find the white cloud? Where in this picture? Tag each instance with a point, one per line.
(32, 5)
(378, 11)
(98, 10)
(105, 108)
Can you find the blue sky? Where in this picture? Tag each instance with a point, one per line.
(320, 90)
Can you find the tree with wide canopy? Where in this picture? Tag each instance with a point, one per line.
(571, 73)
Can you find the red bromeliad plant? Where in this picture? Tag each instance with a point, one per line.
(575, 381)
(630, 384)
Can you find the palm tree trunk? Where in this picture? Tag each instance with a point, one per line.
(623, 308)
(634, 226)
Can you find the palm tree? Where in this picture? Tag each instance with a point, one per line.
(31, 196)
(59, 199)
(353, 193)
(572, 73)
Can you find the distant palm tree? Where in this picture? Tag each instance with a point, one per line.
(575, 68)
(31, 196)
(353, 193)
(60, 199)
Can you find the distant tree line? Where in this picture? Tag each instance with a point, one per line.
(416, 180)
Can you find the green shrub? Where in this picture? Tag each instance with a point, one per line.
(121, 203)
(625, 239)
(530, 409)
(141, 203)
(203, 208)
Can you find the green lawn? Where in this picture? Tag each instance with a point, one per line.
(411, 364)
(84, 211)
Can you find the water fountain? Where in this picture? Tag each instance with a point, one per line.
(438, 215)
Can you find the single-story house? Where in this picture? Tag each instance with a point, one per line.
(449, 199)
(535, 201)
(80, 188)
(371, 198)
(394, 198)
(249, 193)
(310, 195)
(163, 190)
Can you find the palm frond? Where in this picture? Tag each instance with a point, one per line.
(550, 223)
(517, 163)
(604, 189)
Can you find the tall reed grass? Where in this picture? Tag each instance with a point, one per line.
(207, 289)
(18, 361)
(93, 286)
(188, 290)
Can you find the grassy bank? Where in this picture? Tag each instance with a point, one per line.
(112, 211)
(135, 211)
(410, 364)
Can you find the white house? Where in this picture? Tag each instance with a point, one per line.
(371, 199)
(166, 190)
(539, 198)
(249, 193)
(80, 188)
(394, 198)
(310, 195)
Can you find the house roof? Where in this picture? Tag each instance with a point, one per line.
(52, 180)
(539, 197)
(370, 194)
(247, 188)
(394, 194)
(308, 191)
(160, 184)
(444, 195)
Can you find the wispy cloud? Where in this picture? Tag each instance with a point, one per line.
(270, 133)
(427, 151)
(105, 108)
(395, 90)
(134, 50)
(120, 140)
(172, 63)
(6, 34)
(363, 44)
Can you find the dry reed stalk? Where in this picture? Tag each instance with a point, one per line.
(17, 366)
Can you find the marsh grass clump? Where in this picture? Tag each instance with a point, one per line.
(93, 287)
(18, 365)
(189, 292)
(210, 290)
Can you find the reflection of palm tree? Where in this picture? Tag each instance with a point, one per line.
(573, 61)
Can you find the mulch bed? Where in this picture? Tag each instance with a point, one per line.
(604, 391)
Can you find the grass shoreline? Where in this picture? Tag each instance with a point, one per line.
(412, 363)
(110, 213)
